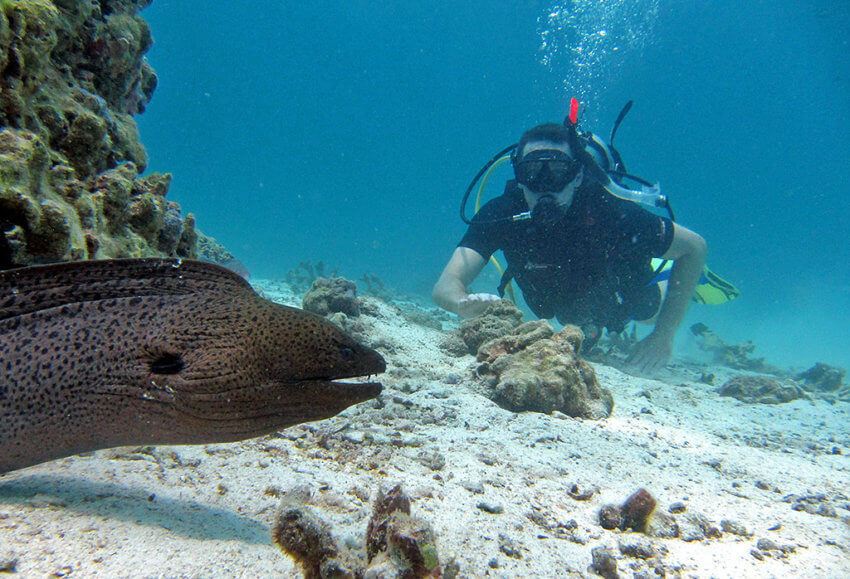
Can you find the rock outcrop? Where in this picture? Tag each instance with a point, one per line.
(72, 75)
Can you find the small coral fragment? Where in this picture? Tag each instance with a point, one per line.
(634, 514)
(299, 532)
(637, 509)
(397, 544)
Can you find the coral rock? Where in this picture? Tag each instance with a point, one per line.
(307, 539)
(822, 378)
(695, 527)
(331, 295)
(499, 319)
(74, 73)
(662, 525)
(301, 278)
(544, 376)
(604, 563)
(34, 25)
(453, 345)
(522, 336)
(398, 545)
(87, 143)
(761, 389)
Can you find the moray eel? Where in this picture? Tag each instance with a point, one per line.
(99, 354)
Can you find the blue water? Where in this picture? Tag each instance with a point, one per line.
(347, 131)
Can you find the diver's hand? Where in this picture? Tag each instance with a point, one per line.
(475, 304)
(651, 354)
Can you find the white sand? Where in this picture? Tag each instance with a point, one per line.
(206, 511)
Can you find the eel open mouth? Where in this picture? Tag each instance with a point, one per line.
(343, 387)
(342, 391)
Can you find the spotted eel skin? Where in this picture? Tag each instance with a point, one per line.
(99, 354)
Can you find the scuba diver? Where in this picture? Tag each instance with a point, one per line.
(578, 245)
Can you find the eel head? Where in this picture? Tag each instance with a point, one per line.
(278, 367)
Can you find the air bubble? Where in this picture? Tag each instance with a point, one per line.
(586, 42)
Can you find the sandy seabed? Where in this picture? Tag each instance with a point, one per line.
(495, 485)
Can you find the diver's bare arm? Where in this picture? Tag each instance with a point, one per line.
(688, 251)
(450, 292)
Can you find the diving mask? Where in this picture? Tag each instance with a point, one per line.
(546, 170)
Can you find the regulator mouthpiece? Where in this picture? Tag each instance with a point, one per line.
(546, 211)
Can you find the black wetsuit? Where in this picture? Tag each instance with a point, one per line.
(592, 267)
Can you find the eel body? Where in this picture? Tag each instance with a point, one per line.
(111, 353)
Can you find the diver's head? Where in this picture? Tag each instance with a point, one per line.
(546, 171)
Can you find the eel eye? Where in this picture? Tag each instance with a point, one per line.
(167, 364)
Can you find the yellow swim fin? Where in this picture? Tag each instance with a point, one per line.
(711, 288)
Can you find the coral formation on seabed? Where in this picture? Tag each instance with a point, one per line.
(535, 369)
